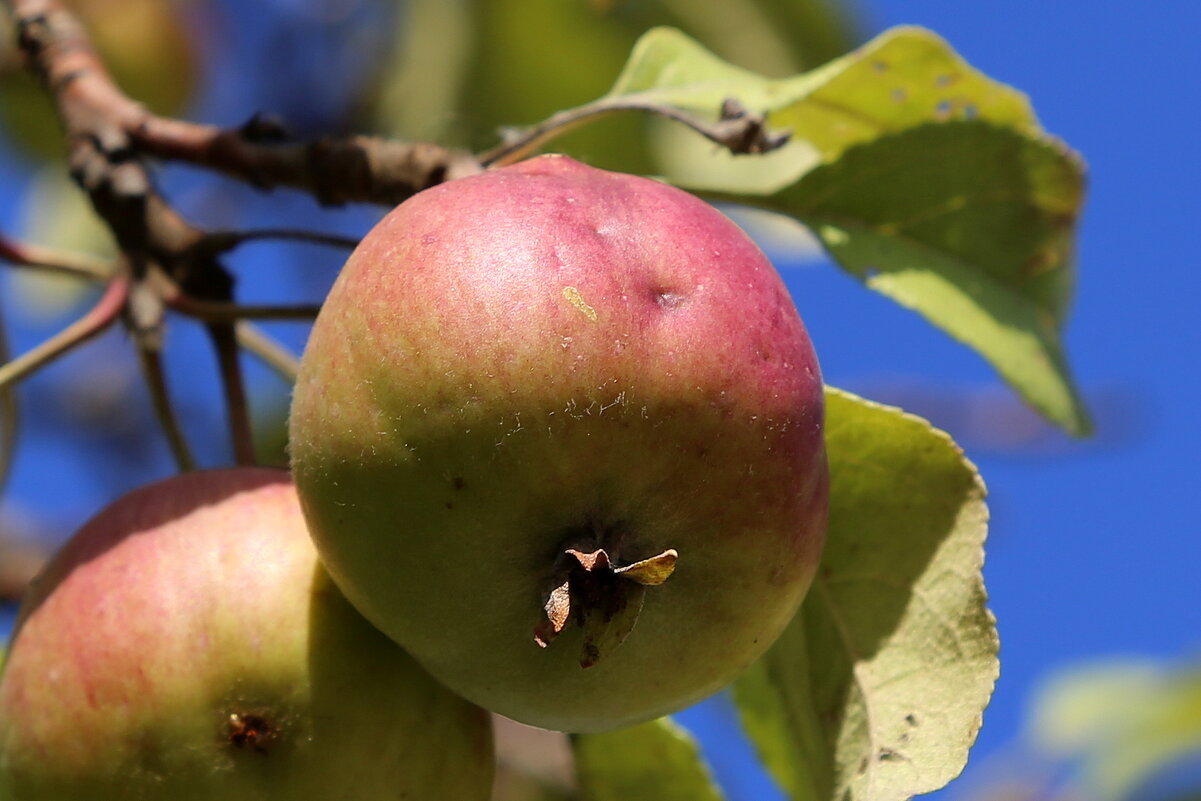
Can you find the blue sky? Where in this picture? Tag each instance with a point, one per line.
(1095, 545)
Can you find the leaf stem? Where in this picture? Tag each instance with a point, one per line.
(736, 128)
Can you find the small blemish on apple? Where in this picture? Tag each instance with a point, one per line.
(668, 300)
(577, 300)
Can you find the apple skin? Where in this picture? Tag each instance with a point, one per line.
(548, 353)
(192, 611)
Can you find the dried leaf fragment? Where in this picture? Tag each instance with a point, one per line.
(603, 599)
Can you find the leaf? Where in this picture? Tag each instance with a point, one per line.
(658, 760)
(971, 225)
(1127, 719)
(923, 177)
(875, 690)
(905, 77)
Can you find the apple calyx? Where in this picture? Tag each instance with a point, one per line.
(604, 599)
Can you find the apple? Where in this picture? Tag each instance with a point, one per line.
(186, 644)
(558, 432)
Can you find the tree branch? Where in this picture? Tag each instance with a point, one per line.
(335, 170)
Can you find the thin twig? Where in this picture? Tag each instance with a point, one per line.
(79, 265)
(227, 240)
(271, 352)
(156, 381)
(215, 311)
(167, 261)
(106, 312)
(220, 312)
(8, 414)
(242, 434)
(736, 129)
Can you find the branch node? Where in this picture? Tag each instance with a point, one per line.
(263, 128)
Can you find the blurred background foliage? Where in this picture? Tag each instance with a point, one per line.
(457, 71)
(1118, 729)
(462, 70)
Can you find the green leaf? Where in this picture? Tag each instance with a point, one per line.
(1126, 719)
(875, 691)
(971, 225)
(658, 760)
